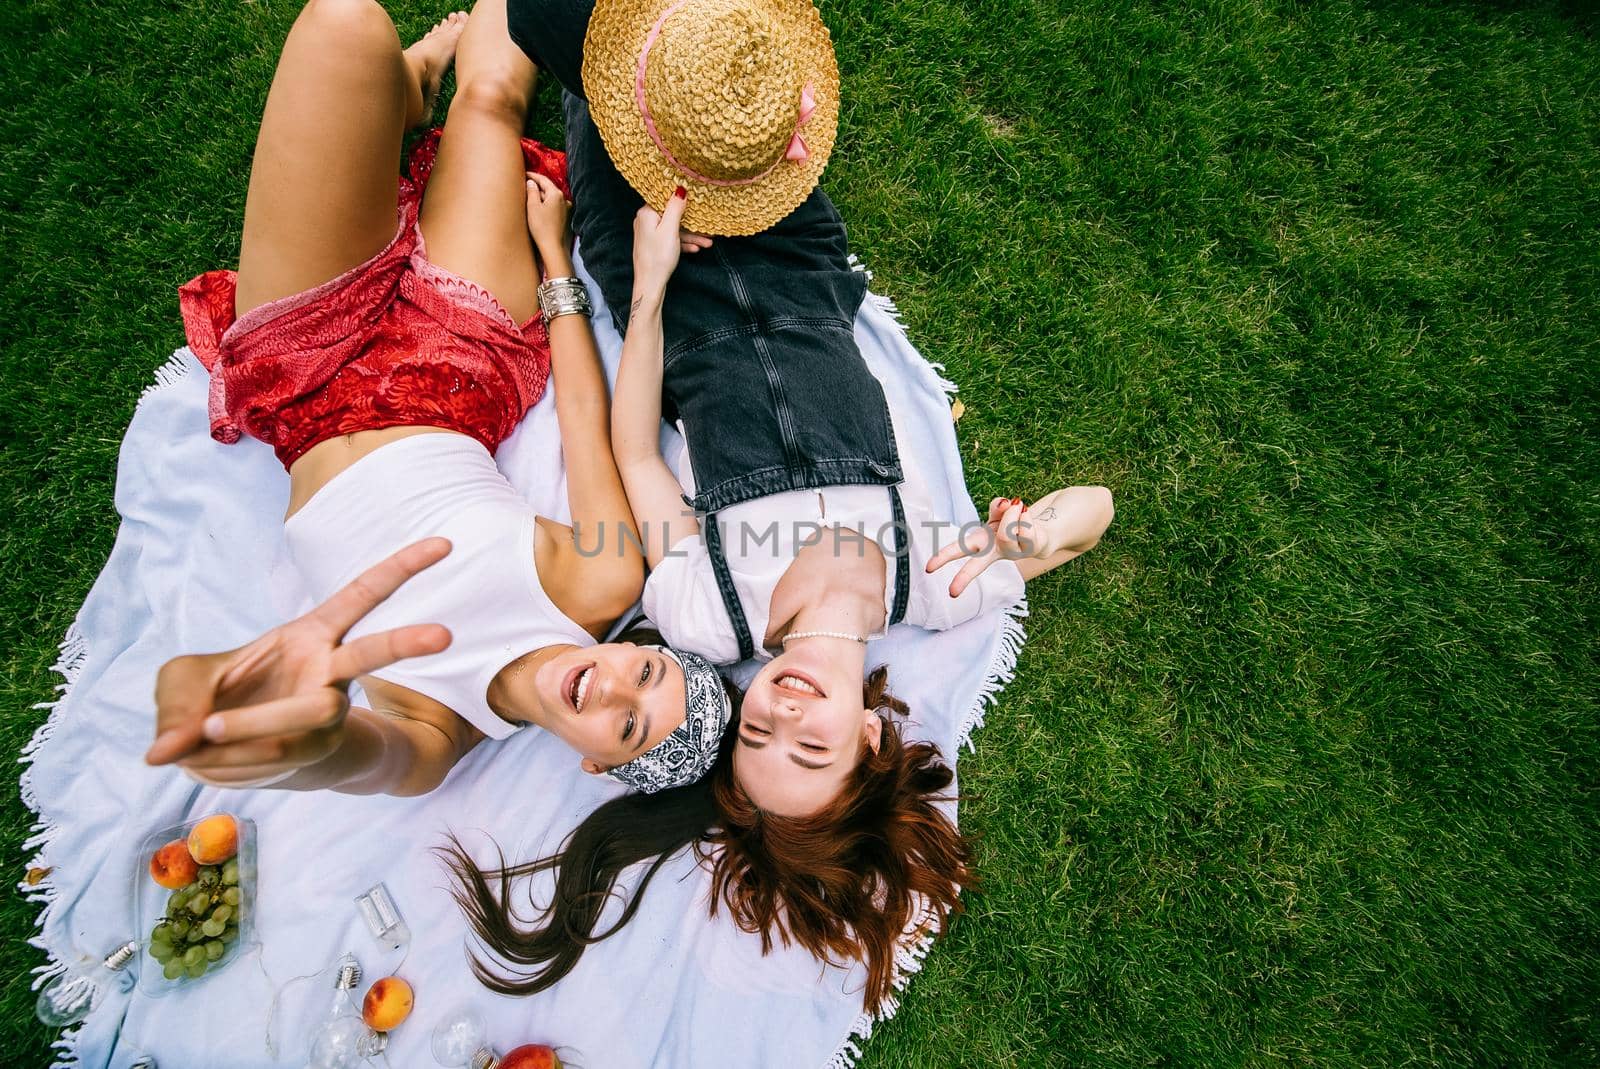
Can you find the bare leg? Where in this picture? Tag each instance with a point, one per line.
(322, 186)
(474, 214)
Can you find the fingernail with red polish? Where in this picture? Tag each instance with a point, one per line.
(681, 193)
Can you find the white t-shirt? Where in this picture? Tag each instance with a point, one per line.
(760, 539)
(487, 591)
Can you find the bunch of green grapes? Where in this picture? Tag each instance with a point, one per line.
(201, 922)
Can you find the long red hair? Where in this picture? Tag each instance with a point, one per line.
(846, 883)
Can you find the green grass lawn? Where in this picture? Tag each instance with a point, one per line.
(1300, 766)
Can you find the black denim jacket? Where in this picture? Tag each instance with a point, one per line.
(761, 361)
(761, 364)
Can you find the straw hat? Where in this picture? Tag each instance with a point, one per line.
(736, 100)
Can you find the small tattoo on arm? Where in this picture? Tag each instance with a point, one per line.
(633, 309)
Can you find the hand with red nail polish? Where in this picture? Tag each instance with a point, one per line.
(1007, 535)
(657, 244)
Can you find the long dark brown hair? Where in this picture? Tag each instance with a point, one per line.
(847, 883)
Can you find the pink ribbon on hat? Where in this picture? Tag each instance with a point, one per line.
(797, 151)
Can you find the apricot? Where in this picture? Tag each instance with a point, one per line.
(214, 840)
(388, 1002)
(532, 1056)
(172, 867)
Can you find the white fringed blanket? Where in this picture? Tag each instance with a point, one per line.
(198, 565)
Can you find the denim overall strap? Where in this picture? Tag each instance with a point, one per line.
(902, 559)
(730, 595)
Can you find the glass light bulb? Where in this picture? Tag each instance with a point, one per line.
(336, 1045)
(342, 1039)
(67, 998)
(458, 1040)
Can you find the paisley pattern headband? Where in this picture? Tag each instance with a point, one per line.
(689, 752)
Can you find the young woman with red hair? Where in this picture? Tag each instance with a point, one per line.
(820, 823)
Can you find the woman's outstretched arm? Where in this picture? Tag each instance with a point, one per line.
(1065, 524)
(595, 588)
(275, 711)
(367, 752)
(653, 490)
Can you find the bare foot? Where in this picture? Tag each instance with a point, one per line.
(431, 56)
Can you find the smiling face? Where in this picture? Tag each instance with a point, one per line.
(802, 731)
(610, 702)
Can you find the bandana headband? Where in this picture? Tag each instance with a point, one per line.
(689, 752)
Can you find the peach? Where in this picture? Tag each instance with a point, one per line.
(214, 840)
(388, 1002)
(532, 1056)
(172, 867)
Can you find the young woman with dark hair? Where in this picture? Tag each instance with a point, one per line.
(385, 348)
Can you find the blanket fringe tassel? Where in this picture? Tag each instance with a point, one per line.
(887, 306)
(74, 652)
(168, 374)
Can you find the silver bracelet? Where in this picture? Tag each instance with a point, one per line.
(564, 296)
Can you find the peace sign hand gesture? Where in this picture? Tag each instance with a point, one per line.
(1007, 535)
(278, 704)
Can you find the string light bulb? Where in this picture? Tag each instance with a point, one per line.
(458, 1041)
(343, 1040)
(70, 996)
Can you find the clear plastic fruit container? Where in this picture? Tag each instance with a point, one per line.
(152, 908)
